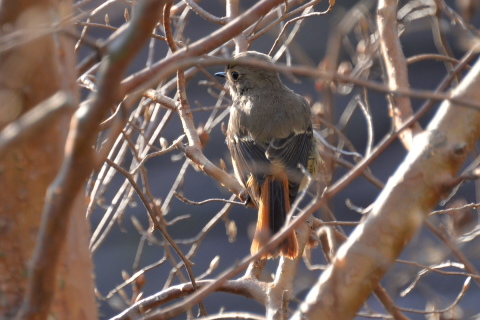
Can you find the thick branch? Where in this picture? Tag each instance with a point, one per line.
(233, 12)
(396, 66)
(79, 161)
(246, 287)
(35, 120)
(411, 193)
(280, 291)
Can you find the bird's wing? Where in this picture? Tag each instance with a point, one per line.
(256, 160)
(249, 159)
(289, 152)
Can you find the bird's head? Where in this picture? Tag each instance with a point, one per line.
(244, 79)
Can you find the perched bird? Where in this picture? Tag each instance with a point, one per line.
(269, 134)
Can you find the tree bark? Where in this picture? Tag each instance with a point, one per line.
(36, 63)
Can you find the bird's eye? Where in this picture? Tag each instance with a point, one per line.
(235, 75)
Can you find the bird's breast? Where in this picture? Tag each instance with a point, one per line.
(264, 117)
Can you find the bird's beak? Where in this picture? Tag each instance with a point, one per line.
(221, 74)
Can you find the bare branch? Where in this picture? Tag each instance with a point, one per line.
(422, 179)
(78, 163)
(234, 315)
(39, 117)
(241, 43)
(299, 20)
(210, 169)
(199, 203)
(460, 256)
(204, 14)
(244, 287)
(204, 45)
(396, 66)
(460, 295)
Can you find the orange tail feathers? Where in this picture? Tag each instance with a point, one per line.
(273, 209)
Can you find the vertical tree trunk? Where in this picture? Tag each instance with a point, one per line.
(37, 63)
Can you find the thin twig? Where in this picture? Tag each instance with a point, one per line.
(460, 295)
(154, 220)
(199, 203)
(205, 14)
(183, 109)
(457, 253)
(299, 19)
(108, 27)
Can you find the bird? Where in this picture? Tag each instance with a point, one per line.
(269, 135)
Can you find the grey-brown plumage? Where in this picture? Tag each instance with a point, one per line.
(269, 135)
